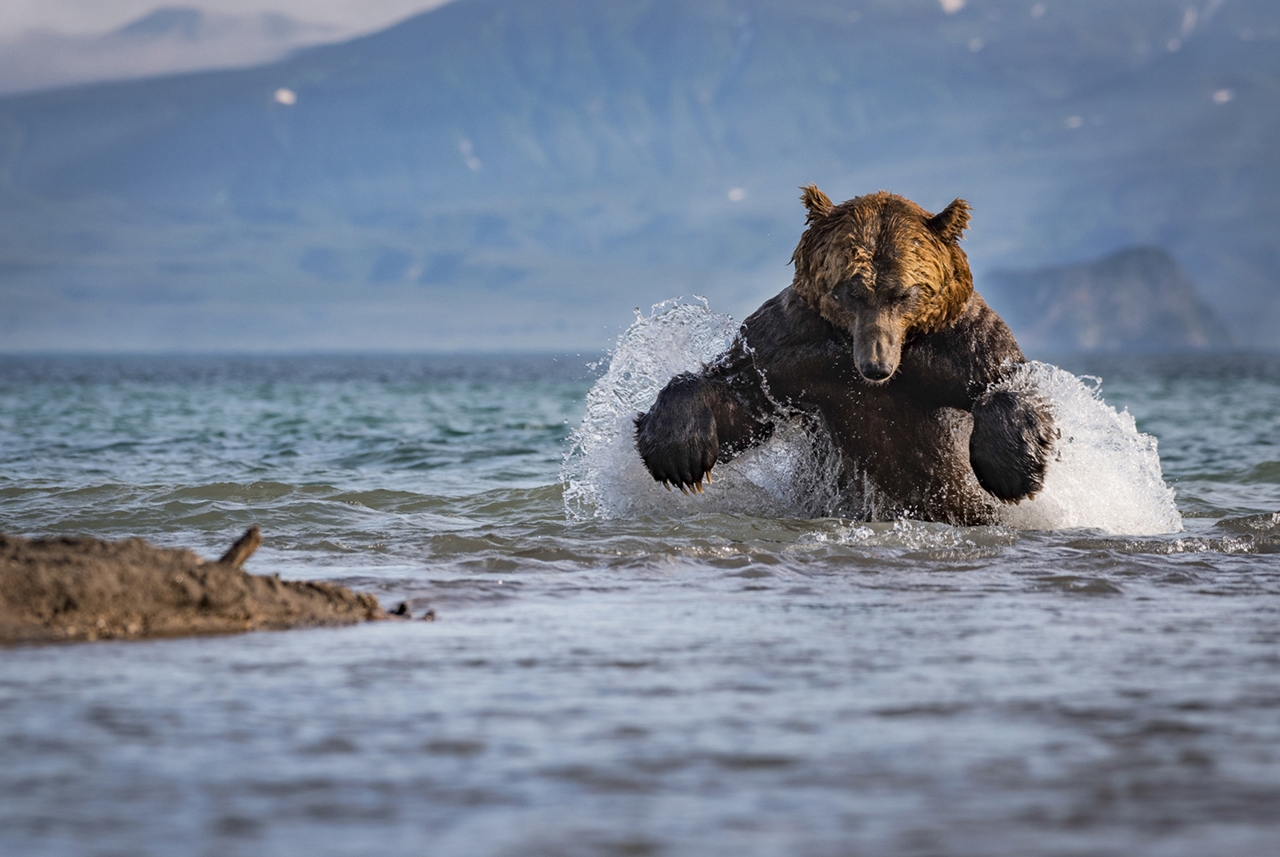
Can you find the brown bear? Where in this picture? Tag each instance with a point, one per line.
(882, 338)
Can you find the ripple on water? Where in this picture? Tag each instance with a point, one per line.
(682, 677)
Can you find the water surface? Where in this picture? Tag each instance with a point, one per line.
(613, 675)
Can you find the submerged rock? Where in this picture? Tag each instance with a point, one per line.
(83, 588)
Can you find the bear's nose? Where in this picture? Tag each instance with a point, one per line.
(875, 371)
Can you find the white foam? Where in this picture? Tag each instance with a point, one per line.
(910, 535)
(1105, 476)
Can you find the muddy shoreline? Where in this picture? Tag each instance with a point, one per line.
(83, 588)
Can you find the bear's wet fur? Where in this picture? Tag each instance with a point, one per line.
(882, 337)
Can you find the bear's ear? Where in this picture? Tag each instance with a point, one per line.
(817, 202)
(950, 223)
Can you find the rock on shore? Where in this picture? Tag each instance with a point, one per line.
(82, 588)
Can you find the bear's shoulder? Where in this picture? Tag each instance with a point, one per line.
(978, 331)
(789, 339)
(788, 320)
(964, 357)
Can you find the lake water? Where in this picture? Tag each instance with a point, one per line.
(614, 669)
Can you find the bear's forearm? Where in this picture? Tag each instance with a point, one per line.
(741, 405)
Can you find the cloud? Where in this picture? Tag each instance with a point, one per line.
(95, 17)
(64, 42)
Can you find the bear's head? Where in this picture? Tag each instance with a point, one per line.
(880, 268)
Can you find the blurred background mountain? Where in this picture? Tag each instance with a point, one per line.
(519, 174)
(1137, 299)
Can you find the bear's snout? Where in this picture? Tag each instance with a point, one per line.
(875, 372)
(877, 348)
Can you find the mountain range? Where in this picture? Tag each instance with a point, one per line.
(522, 173)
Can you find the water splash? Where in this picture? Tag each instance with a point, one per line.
(1106, 475)
(793, 475)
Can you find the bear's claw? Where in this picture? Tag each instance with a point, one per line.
(688, 487)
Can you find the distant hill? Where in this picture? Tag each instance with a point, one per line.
(521, 173)
(1137, 299)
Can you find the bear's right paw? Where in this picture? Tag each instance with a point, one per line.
(678, 451)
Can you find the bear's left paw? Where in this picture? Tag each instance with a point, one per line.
(1012, 439)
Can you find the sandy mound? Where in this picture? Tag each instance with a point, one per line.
(86, 589)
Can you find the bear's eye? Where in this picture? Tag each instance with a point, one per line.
(851, 290)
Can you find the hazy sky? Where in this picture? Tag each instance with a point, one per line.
(98, 16)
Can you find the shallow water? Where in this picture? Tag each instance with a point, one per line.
(613, 675)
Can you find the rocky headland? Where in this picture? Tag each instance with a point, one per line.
(1137, 299)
